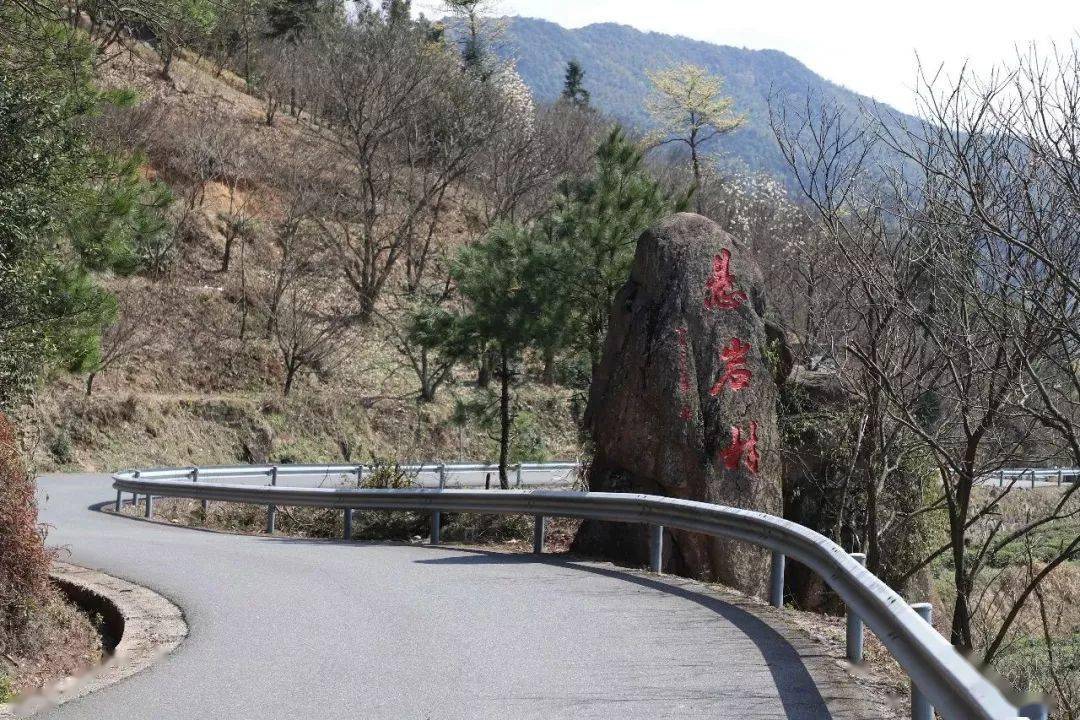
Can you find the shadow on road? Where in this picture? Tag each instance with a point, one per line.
(798, 692)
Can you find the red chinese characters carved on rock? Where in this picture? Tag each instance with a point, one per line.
(742, 449)
(685, 413)
(736, 374)
(720, 292)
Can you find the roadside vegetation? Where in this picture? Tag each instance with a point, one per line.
(42, 637)
(240, 231)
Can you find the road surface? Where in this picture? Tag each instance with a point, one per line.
(294, 629)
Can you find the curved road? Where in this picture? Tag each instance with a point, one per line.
(295, 629)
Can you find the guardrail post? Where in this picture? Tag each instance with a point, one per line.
(855, 625)
(921, 709)
(135, 495)
(119, 499)
(1033, 479)
(656, 549)
(205, 503)
(271, 510)
(149, 506)
(436, 517)
(435, 529)
(1034, 711)
(539, 526)
(347, 514)
(1001, 478)
(776, 580)
(1059, 477)
(518, 481)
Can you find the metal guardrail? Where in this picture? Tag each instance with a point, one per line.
(1019, 477)
(940, 676)
(423, 475)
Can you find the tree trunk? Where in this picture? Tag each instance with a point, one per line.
(427, 383)
(504, 420)
(271, 109)
(166, 65)
(696, 162)
(227, 252)
(548, 376)
(871, 451)
(483, 373)
(960, 635)
(243, 292)
(290, 373)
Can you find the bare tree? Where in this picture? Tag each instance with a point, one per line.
(295, 231)
(520, 165)
(309, 336)
(408, 123)
(946, 275)
(132, 331)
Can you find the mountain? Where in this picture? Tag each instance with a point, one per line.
(616, 57)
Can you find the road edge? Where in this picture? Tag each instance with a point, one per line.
(849, 692)
(147, 625)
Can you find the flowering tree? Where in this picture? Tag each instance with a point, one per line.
(688, 108)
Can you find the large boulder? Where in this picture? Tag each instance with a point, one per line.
(683, 402)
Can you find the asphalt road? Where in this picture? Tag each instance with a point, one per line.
(296, 629)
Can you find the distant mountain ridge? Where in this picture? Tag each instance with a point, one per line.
(615, 59)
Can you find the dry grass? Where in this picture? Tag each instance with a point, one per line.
(41, 636)
(59, 641)
(512, 533)
(1023, 658)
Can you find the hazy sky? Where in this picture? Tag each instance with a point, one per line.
(865, 45)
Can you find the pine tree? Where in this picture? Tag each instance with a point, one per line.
(396, 11)
(593, 228)
(474, 51)
(67, 210)
(508, 306)
(289, 19)
(573, 87)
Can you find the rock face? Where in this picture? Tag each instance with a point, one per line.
(683, 403)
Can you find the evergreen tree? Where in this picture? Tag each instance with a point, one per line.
(396, 11)
(508, 306)
(66, 209)
(187, 23)
(290, 19)
(593, 228)
(573, 87)
(474, 51)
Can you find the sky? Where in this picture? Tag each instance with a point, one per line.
(867, 46)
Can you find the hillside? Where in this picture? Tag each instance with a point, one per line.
(616, 57)
(191, 386)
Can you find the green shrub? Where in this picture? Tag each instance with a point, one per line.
(60, 446)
